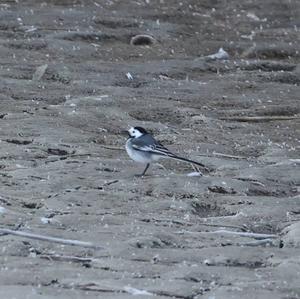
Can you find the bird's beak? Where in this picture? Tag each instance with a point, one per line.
(125, 133)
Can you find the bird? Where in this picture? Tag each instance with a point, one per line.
(142, 147)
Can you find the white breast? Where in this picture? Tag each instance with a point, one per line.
(137, 156)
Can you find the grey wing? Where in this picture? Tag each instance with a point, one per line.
(143, 142)
(147, 143)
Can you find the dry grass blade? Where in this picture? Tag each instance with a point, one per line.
(260, 118)
(50, 239)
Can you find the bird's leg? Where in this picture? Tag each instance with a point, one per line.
(147, 166)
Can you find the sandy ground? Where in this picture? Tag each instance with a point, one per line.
(65, 99)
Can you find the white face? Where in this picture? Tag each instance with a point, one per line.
(134, 132)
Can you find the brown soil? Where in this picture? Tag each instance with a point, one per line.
(65, 100)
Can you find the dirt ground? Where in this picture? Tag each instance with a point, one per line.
(66, 96)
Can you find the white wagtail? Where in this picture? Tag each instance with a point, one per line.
(143, 148)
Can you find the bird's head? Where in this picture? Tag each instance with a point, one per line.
(136, 132)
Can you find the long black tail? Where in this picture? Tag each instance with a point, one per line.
(187, 160)
(159, 149)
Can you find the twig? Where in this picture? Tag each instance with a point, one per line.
(253, 181)
(66, 258)
(260, 118)
(214, 154)
(228, 156)
(222, 225)
(80, 155)
(60, 158)
(90, 286)
(50, 239)
(243, 234)
(190, 223)
(167, 220)
(115, 148)
(258, 243)
(110, 182)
